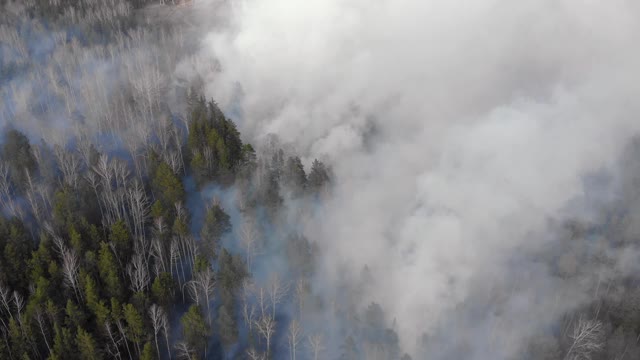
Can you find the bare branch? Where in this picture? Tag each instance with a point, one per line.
(316, 345)
(587, 339)
(70, 266)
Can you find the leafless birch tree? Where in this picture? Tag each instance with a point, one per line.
(70, 266)
(138, 272)
(316, 345)
(294, 338)
(266, 326)
(587, 339)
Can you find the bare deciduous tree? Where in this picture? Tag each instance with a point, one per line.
(157, 253)
(69, 165)
(18, 301)
(93, 181)
(165, 329)
(248, 308)
(184, 351)
(140, 209)
(316, 345)
(115, 350)
(174, 258)
(6, 190)
(5, 299)
(123, 335)
(194, 291)
(294, 338)
(148, 83)
(58, 242)
(157, 316)
(261, 296)
(266, 326)
(206, 284)
(587, 339)
(41, 324)
(138, 272)
(33, 198)
(174, 160)
(177, 137)
(253, 354)
(249, 240)
(277, 292)
(70, 266)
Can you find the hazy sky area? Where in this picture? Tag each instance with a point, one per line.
(459, 134)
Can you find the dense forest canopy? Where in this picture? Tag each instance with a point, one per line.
(139, 223)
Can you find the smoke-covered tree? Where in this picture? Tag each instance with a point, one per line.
(294, 175)
(294, 338)
(216, 223)
(227, 326)
(231, 275)
(318, 176)
(16, 151)
(316, 346)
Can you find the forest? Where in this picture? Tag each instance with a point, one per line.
(133, 231)
(138, 223)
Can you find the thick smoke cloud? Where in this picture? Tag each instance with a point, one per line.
(459, 135)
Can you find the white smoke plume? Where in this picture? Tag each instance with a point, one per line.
(457, 131)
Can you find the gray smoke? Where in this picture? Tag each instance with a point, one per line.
(460, 135)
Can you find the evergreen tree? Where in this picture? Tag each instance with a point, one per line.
(40, 259)
(66, 209)
(349, 349)
(214, 142)
(167, 186)
(318, 176)
(147, 352)
(294, 176)
(163, 289)
(75, 316)
(108, 270)
(227, 326)
(63, 344)
(135, 326)
(17, 339)
(16, 248)
(91, 295)
(87, 346)
(216, 224)
(195, 329)
(231, 275)
(16, 151)
(120, 237)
